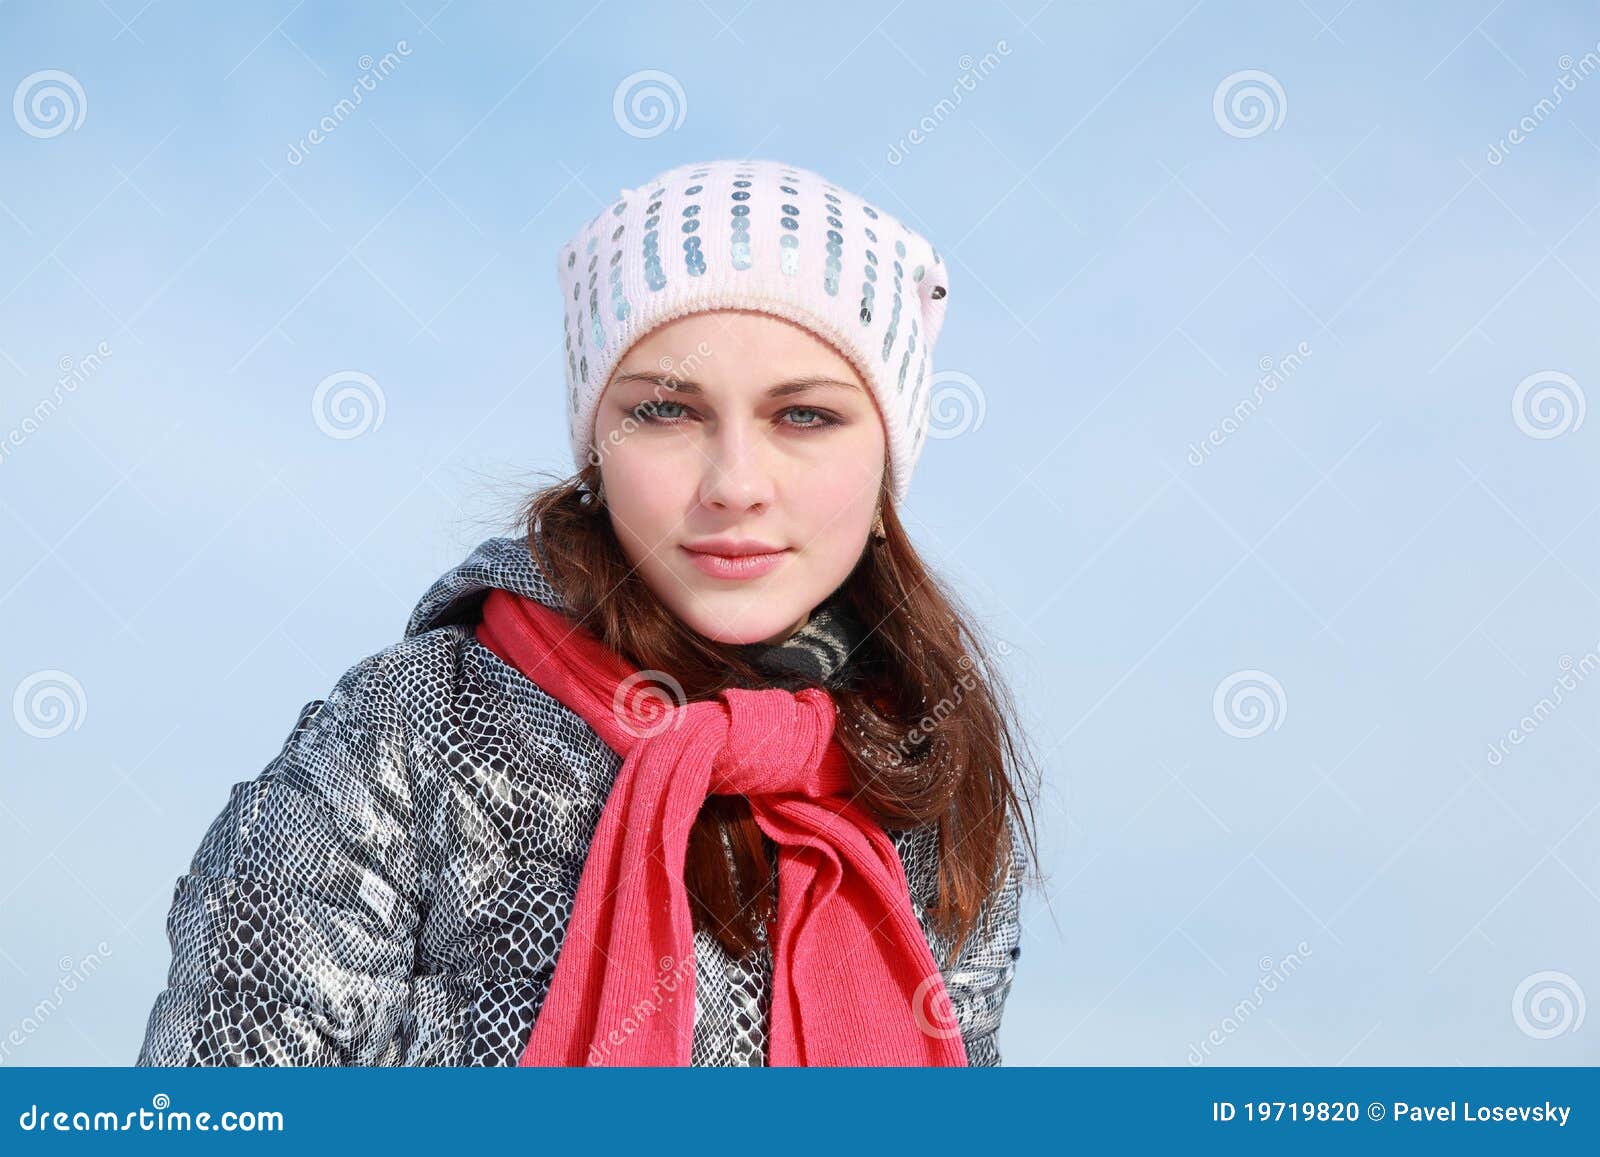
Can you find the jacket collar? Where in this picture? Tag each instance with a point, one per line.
(824, 650)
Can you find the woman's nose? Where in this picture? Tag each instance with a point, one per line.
(736, 474)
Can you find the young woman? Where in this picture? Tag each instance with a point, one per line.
(701, 767)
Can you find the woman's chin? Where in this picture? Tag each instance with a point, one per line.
(735, 622)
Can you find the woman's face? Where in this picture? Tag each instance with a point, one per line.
(742, 427)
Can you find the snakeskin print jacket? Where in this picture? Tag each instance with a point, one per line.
(394, 886)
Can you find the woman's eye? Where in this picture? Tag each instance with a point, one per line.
(820, 417)
(651, 411)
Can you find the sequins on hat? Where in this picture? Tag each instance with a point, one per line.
(747, 234)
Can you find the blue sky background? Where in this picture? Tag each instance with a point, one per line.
(1398, 544)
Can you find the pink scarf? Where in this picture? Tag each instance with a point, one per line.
(854, 981)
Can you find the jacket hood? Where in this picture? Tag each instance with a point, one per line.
(457, 595)
(825, 650)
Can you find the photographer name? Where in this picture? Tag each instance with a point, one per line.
(1468, 1112)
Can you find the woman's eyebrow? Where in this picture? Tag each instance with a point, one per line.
(781, 390)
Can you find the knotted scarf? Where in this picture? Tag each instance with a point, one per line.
(853, 977)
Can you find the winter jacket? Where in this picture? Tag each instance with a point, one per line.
(394, 886)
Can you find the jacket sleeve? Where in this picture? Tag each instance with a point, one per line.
(980, 981)
(293, 931)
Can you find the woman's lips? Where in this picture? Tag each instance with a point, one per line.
(723, 566)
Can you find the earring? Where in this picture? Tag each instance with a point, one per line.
(877, 527)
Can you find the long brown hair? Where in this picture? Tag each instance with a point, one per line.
(929, 732)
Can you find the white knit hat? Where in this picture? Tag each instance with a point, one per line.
(765, 236)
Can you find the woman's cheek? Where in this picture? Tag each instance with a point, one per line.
(849, 491)
(641, 483)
